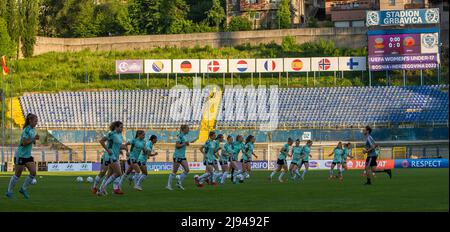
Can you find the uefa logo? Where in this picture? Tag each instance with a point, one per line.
(405, 163)
(429, 40)
(350, 164)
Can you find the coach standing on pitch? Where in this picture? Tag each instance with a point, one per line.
(372, 152)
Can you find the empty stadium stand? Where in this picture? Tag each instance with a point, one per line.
(339, 106)
(297, 107)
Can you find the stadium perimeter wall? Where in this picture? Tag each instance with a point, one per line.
(342, 37)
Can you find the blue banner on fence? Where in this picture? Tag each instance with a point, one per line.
(421, 163)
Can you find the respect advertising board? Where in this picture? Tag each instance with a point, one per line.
(421, 163)
(408, 49)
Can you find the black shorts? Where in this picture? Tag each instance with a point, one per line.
(305, 162)
(245, 161)
(108, 161)
(336, 163)
(129, 162)
(371, 161)
(281, 162)
(233, 159)
(178, 160)
(223, 162)
(142, 163)
(207, 163)
(294, 163)
(23, 161)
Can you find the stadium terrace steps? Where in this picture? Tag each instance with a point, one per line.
(297, 107)
(17, 114)
(210, 112)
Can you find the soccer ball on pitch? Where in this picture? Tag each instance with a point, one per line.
(79, 179)
(89, 179)
(34, 181)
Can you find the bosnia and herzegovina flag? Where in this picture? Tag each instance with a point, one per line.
(4, 68)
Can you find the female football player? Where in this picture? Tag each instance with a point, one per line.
(345, 155)
(306, 154)
(281, 162)
(337, 160)
(142, 161)
(23, 158)
(137, 146)
(238, 145)
(247, 158)
(225, 156)
(296, 152)
(179, 158)
(112, 148)
(218, 150)
(209, 155)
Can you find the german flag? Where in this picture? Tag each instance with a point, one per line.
(186, 66)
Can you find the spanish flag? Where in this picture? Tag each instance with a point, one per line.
(4, 68)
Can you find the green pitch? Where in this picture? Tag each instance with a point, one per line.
(408, 190)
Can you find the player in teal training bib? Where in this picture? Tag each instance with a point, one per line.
(23, 158)
(225, 156)
(137, 147)
(337, 160)
(179, 159)
(281, 162)
(113, 144)
(246, 159)
(306, 154)
(209, 153)
(238, 145)
(142, 161)
(295, 154)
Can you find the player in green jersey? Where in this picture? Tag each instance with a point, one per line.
(337, 160)
(209, 153)
(112, 148)
(137, 147)
(142, 161)
(306, 154)
(295, 154)
(281, 162)
(179, 159)
(225, 156)
(23, 158)
(238, 146)
(246, 159)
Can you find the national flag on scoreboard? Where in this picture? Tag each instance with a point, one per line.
(297, 64)
(324, 64)
(213, 66)
(241, 65)
(157, 66)
(4, 67)
(186, 66)
(352, 63)
(269, 65)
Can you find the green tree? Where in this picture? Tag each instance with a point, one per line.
(145, 16)
(284, 14)
(174, 19)
(112, 18)
(239, 23)
(29, 11)
(11, 16)
(47, 17)
(6, 45)
(216, 15)
(76, 19)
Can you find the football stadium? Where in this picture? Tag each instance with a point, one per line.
(304, 118)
